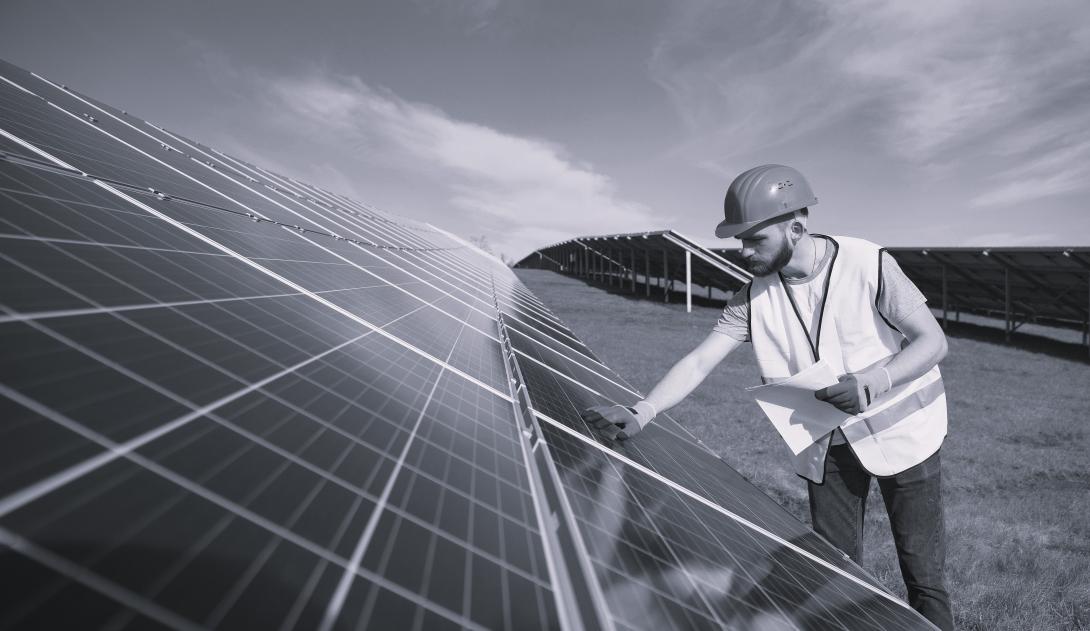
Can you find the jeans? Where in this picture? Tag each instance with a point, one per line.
(913, 500)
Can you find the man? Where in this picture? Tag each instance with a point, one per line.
(846, 302)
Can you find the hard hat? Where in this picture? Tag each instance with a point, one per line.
(760, 194)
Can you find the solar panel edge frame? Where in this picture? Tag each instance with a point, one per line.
(550, 495)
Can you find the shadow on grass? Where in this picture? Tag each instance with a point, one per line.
(675, 297)
(1022, 341)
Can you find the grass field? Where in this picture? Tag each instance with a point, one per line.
(1016, 461)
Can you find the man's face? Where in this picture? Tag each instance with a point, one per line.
(766, 251)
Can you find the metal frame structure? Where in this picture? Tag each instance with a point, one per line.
(654, 261)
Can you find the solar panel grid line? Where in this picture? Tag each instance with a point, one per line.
(255, 213)
(333, 609)
(424, 281)
(298, 298)
(297, 287)
(566, 336)
(414, 276)
(252, 437)
(391, 230)
(656, 575)
(35, 161)
(501, 537)
(550, 328)
(605, 375)
(392, 242)
(183, 349)
(766, 592)
(24, 237)
(127, 451)
(579, 350)
(518, 291)
(135, 325)
(70, 313)
(544, 317)
(716, 507)
(20, 498)
(572, 573)
(135, 186)
(65, 567)
(197, 547)
(675, 557)
(359, 490)
(538, 313)
(610, 398)
(178, 480)
(222, 202)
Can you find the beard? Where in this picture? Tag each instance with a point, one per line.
(779, 260)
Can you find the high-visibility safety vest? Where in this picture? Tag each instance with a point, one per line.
(908, 423)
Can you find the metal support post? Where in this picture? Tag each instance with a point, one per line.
(633, 270)
(944, 302)
(1007, 301)
(688, 282)
(647, 273)
(665, 277)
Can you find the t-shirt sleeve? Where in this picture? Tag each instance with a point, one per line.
(900, 297)
(734, 321)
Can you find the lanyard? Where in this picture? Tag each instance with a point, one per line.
(814, 341)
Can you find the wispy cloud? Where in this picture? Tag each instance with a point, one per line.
(522, 192)
(943, 86)
(1012, 239)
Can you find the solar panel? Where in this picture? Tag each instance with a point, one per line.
(235, 400)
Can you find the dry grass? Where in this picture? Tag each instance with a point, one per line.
(1016, 461)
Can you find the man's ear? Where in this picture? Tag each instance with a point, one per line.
(796, 229)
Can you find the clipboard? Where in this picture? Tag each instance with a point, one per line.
(799, 417)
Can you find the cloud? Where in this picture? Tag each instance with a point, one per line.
(1011, 239)
(522, 192)
(941, 86)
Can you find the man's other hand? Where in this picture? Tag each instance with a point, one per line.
(612, 422)
(855, 392)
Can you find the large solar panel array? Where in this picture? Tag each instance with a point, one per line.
(231, 399)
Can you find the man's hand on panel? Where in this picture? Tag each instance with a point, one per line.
(618, 422)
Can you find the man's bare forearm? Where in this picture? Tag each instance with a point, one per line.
(915, 359)
(678, 382)
(926, 347)
(690, 371)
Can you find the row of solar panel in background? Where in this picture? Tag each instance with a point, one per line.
(1046, 285)
(645, 262)
(195, 429)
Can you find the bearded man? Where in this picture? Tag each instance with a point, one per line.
(846, 302)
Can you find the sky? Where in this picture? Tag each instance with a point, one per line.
(925, 123)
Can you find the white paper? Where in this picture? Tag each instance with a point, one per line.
(799, 417)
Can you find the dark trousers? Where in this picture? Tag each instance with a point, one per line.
(913, 501)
